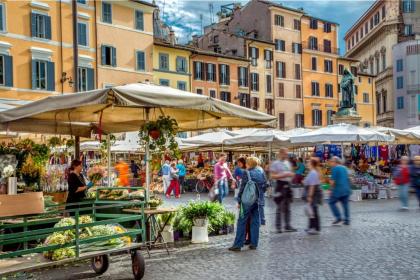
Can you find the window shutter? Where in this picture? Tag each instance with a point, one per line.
(33, 71)
(281, 121)
(8, 67)
(313, 88)
(50, 76)
(313, 118)
(195, 70)
(33, 25)
(283, 74)
(277, 69)
(113, 56)
(220, 73)
(139, 20)
(203, 71)
(298, 91)
(240, 81)
(281, 90)
(103, 56)
(258, 81)
(141, 61)
(90, 79)
(47, 27)
(227, 74)
(246, 77)
(320, 117)
(257, 53)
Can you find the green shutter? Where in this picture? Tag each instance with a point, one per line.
(8, 69)
(139, 20)
(113, 56)
(103, 56)
(141, 65)
(90, 79)
(50, 76)
(33, 71)
(33, 25)
(227, 75)
(1, 18)
(47, 20)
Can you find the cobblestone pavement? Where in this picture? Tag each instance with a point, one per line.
(381, 243)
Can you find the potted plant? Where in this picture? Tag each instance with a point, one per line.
(167, 232)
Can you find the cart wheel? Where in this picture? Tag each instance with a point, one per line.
(138, 264)
(100, 264)
(200, 186)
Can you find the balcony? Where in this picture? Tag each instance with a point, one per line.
(320, 48)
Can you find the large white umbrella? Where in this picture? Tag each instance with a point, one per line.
(210, 139)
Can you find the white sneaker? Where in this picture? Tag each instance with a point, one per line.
(312, 231)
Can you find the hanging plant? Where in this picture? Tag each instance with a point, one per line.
(70, 143)
(160, 135)
(54, 142)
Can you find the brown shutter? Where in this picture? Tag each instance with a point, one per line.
(281, 90)
(298, 91)
(281, 121)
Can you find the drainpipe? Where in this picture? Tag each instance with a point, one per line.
(75, 66)
(61, 47)
(96, 46)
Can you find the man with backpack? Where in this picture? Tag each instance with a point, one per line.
(281, 171)
(165, 172)
(252, 184)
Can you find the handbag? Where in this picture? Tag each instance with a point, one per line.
(214, 191)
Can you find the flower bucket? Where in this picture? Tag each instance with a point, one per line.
(154, 133)
(201, 222)
(200, 234)
(12, 185)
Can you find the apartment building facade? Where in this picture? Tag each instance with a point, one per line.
(406, 72)
(320, 77)
(124, 42)
(36, 48)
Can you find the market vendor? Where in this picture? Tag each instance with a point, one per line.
(77, 183)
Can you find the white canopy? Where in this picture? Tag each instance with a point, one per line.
(127, 108)
(401, 136)
(257, 137)
(342, 133)
(211, 138)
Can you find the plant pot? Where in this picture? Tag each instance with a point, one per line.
(154, 133)
(168, 235)
(201, 222)
(199, 235)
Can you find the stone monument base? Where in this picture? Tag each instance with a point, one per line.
(347, 115)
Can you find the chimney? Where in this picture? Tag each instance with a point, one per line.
(195, 40)
(172, 39)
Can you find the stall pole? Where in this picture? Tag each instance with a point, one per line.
(77, 147)
(147, 160)
(342, 151)
(270, 151)
(377, 151)
(108, 152)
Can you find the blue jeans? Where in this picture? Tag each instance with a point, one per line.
(254, 214)
(344, 200)
(262, 215)
(403, 193)
(223, 190)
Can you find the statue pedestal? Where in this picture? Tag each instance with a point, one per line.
(347, 115)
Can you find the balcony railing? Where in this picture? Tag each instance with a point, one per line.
(321, 48)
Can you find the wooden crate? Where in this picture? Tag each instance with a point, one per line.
(21, 204)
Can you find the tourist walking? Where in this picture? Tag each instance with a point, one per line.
(238, 172)
(415, 176)
(401, 177)
(281, 171)
(182, 172)
(165, 171)
(313, 196)
(340, 191)
(249, 211)
(174, 185)
(300, 170)
(221, 176)
(122, 169)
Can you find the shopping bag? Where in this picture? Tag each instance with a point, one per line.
(214, 192)
(308, 210)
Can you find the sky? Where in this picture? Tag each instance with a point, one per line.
(187, 16)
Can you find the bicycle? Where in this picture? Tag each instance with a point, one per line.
(203, 183)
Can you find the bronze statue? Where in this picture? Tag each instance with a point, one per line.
(347, 90)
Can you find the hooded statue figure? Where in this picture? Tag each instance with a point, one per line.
(347, 90)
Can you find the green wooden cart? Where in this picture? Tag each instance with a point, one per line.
(27, 233)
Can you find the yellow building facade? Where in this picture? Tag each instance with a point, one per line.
(36, 47)
(171, 65)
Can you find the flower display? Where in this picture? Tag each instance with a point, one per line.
(8, 171)
(96, 173)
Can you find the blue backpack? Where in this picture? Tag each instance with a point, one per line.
(250, 194)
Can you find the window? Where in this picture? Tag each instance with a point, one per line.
(327, 27)
(254, 82)
(378, 104)
(268, 58)
(357, 37)
(43, 75)
(366, 27)
(408, 6)
(81, 1)
(254, 54)
(329, 117)
(108, 56)
(216, 39)
(313, 43)
(198, 68)
(313, 63)
(328, 66)
(296, 24)
(140, 61)
(243, 76)
(383, 61)
(376, 18)
(400, 82)
(2, 18)
(313, 24)
(181, 85)
(224, 74)
(244, 100)
(269, 106)
(280, 69)
(352, 40)
(400, 102)
(40, 26)
(164, 61)
(164, 82)
(371, 23)
(297, 71)
(361, 33)
(298, 91)
(212, 93)
(199, 91)
(280, 45)
(384, 103)
(316, 117)
(255, 103)
(281, 90)
(365, 97)
(369, 81)
(400, 65)
(85, 78)
(268, 85)
(210, 72)
(348, 44)
(106, 12)
(372, 71)
(139, 20)
(408, 29)
(6, 70)
(383, 11)
(299, 121)
(279, 20)
(282, 121)
(340, 69)
(353, 70)
(315, 88)
(338, 88)
(329, 90)
(296, 48)
(327, 46)
(181, 64)
(82, 34)
(225, 96)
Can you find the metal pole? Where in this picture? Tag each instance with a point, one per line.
(108, 152)
(147, 160)
(75, 47)
(377, 151)
(270, 150)
(342, 151)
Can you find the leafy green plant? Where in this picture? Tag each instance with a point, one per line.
(54, 141)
